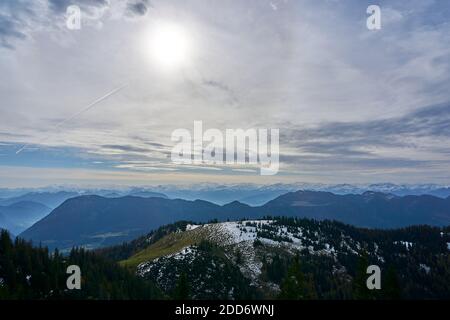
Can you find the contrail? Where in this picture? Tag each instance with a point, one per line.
(87, 108)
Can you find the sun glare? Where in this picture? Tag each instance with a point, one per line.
(169, 45)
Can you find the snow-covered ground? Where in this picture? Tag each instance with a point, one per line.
(145, 267)
(190, 227)
(407, 244)
(228, 233)
(239, 237)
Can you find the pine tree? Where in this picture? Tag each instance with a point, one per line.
(293, 286)
(5, 243)
(360, 290)
(182, 290)
(391, 290)
(310, 289)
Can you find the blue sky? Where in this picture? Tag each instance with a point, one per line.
(352, 105)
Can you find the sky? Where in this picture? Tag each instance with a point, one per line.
(352, 105)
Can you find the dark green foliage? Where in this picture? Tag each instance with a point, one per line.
(34, 273)
(391, 290)
(404, 272)
(257, 243)
(209, 275)
(182, 291)
(345, 276)
(360, 290)
(212, 271)
(293, 286)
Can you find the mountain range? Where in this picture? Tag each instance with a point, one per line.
(94, 221)
(19, 212)
(49, 199)
(54, 199)
(19, 216)
(251, 194)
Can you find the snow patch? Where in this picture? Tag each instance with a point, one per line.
(190, 227)
(425, 267)
(407, 244)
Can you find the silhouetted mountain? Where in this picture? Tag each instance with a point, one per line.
(253, 195)
(21, 215)
(262, 197)
(49, 199)
(256, 195)
(148, 194)
(371, 209)
(95, 221)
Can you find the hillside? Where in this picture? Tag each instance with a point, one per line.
(93, 221)
(414, 261)
(32, 273)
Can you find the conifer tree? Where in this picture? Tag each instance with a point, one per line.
(360, 290)
(293, 286)
(182, 291)
(391, 290)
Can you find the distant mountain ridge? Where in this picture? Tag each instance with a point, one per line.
(20, 215)
(371, 209)
(95, 221)
(49, 199)
(251, 194)
(54, 199)
(257, 195)
(148, 194)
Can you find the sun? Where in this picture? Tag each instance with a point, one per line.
(169, 45)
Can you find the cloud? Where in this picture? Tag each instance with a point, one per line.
(20, 19)
(138, 7)
(15, 17)
(344, 98)
(418, 141)
(230, 96)
(424, 122)
(61, 5)
(9, 30)
(125, 148)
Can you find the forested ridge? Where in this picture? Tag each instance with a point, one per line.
(331, 263)
(28, 272)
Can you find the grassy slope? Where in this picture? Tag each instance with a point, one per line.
(169, 244)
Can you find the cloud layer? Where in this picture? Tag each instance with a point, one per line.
(352, 105)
